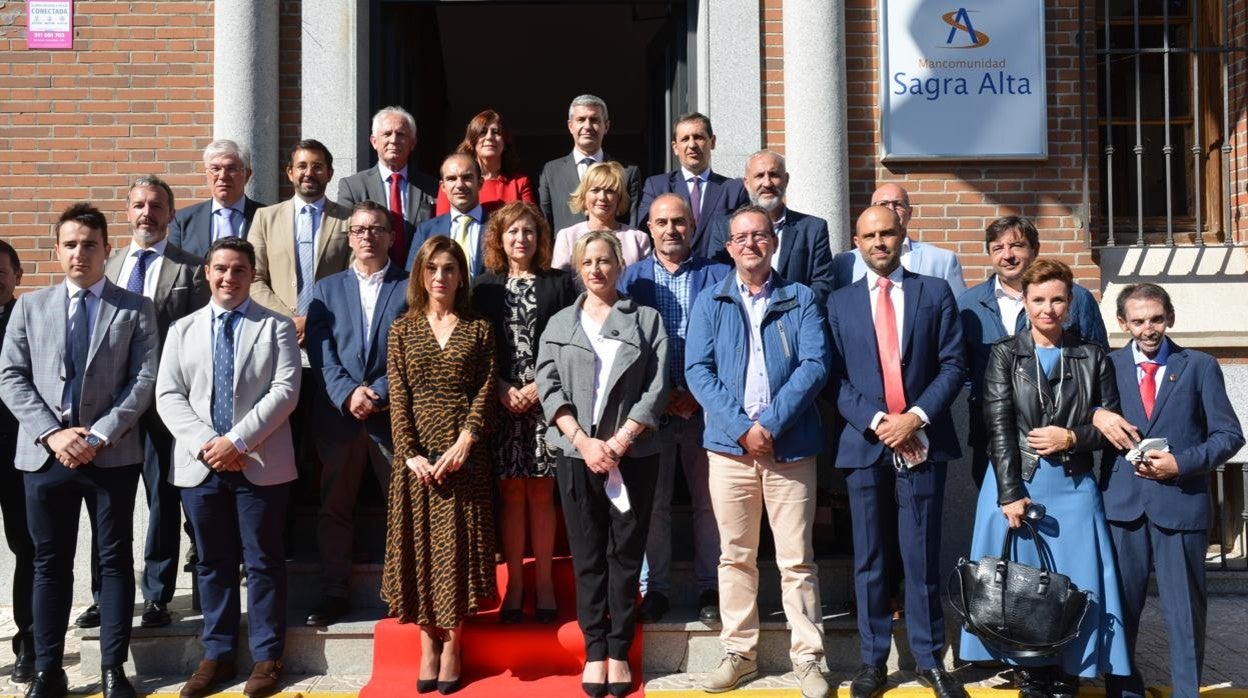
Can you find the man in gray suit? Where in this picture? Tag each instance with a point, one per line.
(409, 195)
(229, 380)
(588, 122)
(173, 279)
(78, 369)
(228, 212)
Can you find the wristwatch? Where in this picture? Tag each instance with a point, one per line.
(94, 441)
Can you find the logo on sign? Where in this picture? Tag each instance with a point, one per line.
(960, 22)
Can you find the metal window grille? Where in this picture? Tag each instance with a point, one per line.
(1164, 111)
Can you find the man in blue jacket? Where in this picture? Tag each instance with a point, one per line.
(1158, 504)
(348, 324)
(994, 309)
(670, 282)
(897, 364)
(756, 358)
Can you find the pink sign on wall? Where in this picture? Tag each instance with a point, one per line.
(50, 24)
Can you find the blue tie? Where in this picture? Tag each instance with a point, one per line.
(223, 374)
(225, 224)
(306, 241)
(79, 346)
(138, 273)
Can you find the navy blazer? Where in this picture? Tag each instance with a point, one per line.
(805, 253)
(1193, 413)
(191, 229)
(933, 366)
(720, 197)
(982, 327)
(337, 353)
(441, 225)
(554, 289)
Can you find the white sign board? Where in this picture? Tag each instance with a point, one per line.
(963, 81)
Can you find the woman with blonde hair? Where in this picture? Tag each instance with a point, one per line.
(602, 196)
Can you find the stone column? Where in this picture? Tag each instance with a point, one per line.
(335, 82)
(815, 130)
(244, 86)
(730, 79)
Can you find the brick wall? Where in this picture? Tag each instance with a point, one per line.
(290, 90)
(134, 96)
(1238, 110)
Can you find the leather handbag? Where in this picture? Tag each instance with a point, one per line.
(1017, 609)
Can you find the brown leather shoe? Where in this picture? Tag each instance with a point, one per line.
(208, 674)
(264, 679)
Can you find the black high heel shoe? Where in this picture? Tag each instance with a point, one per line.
(426, 685)
(593, 690)
(618, 690)
(448, 687)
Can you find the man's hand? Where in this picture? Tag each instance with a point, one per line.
(1116, 429)
(363, 402)
(221, 455)
(757, 441)
(1048, 440)
(1157, 465)
(300, 321)
(680, 403)
(913, 450)
(70, 446)
(897, 429)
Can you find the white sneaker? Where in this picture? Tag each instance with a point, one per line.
(732, 670)
(813, 683)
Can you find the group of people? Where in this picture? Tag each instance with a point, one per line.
(461, 338)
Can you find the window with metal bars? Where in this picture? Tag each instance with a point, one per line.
(1169, 95)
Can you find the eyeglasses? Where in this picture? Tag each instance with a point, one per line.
(892, 203)
(757, 238)
(371, 231)
(230, 171)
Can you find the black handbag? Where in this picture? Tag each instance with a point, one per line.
(1016, 609)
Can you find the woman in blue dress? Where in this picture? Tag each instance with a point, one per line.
(1040, 389)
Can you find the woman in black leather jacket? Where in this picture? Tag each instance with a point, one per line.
(1040, 390)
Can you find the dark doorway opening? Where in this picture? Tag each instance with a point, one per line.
(447, 61)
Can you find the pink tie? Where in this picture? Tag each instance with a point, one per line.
(890, 351)
(1148, 387)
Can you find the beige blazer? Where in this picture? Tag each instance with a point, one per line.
(273, 235)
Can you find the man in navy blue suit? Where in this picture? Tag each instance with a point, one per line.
(229, 212)
(460, 178)
(805, 255)
(348, 324)
(993, 310)
(671, 282)
(709, 194)
(897, 364)
(1158, 505)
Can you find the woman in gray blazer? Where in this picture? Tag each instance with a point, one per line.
(602, 382)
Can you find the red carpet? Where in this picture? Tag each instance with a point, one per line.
(500, 661)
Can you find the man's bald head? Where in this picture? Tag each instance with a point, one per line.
(894, 196)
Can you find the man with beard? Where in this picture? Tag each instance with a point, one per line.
(670, 283)
(804, 255)
(173, 279)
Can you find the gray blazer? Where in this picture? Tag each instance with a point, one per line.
(116, 388)
(422, 192)
(180, 289)
(637, 387)
(266, 388)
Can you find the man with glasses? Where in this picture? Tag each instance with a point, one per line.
(229, 212)
(756, 358)
(918, 257)
(348, 324)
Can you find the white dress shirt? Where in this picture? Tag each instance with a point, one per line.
(898, 295)
(778, 226)
(605, 349)
(152, 274)
(370, 290)
(581, 167)
(1008, 304)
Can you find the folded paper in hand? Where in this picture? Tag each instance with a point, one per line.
(617, 493)
(900, 461)
(1136, 454)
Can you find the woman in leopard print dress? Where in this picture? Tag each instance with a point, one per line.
(440, 544)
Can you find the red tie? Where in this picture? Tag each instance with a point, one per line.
(890, 352)
(1148, 387)
(399, 251)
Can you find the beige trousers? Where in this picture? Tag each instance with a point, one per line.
(740, 488)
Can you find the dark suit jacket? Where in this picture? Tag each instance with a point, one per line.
(805, 253)
(337, 353)
(721, 197)
(555, 292)
(181, 289)
(8, 423)
(422, 193)
(933, 366)
(442, 226)
(559, 179)
(1193, 413)
(191, 229)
